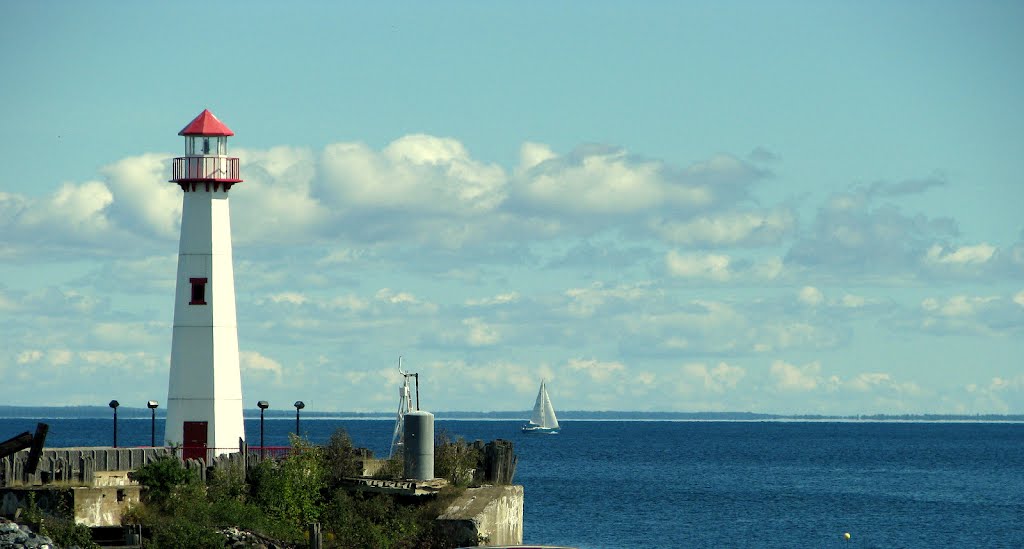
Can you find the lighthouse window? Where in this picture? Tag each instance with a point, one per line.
(198, 291)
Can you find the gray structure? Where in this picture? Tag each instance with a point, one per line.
(419, 445)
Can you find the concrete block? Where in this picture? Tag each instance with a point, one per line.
(491, 514)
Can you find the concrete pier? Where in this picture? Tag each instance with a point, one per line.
(493, 514)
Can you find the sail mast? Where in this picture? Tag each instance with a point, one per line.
(538, 407)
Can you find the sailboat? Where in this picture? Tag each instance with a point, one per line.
(543, 420)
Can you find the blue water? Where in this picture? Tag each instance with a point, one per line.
(719, 484)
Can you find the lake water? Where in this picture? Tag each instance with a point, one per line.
(632, 484)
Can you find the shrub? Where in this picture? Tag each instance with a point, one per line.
(63, 532)
(371, 520)
(161, 477)
(292, 489)
(455, 460)
(393, 468)
(227, 483)
(341, 458)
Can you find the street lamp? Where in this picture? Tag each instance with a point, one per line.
(262, 405)
(152, 421)
(114, 404)
(298, 406)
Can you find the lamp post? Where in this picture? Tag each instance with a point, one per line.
(114, 404)
(262, 405)
(298, 406)
(152, 421)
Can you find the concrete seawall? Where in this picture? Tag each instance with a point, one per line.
(489, 514)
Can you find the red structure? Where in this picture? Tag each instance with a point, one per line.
(206, 159)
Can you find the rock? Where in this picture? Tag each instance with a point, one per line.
(17, 536)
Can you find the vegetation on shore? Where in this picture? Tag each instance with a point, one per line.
(63, 531)
(278, 499)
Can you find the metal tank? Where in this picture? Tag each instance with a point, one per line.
(419, 445)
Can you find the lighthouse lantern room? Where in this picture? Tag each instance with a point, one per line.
(204, 393)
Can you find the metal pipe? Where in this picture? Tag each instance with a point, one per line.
(262, 405)
(114, 404)
(298, 406)
(152, 421)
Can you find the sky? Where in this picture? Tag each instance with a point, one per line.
(783, 207)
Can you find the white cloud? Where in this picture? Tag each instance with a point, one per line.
(597, 370)
(77, 211)
(406, 299)
(1018, 298)
(275, 203)
(416, 173)
(8, 304)
(386, 294)
(722, 169)
(252, 362)
(500, 299)
(768, 269)
(700, 266)
(292, 298)
(880, 381)
(853, 301)
(716, 379)
(480, 333)
(851, 236)
(60, 357)
(741, 228)
(347, 303)
(809, 295)
(30, 356)
(584, 302)
(957, 306)
(774, 335)
(977, 315)
(869, 381)
(963, 255)
(341, 257)
(532, 154)
(789, 377)
(1001, 394)
(605, 181)
(143, 197)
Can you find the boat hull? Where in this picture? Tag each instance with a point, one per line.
(538, 430)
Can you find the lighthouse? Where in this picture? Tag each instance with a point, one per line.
(204, 391)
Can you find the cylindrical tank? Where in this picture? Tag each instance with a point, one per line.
(419, 445)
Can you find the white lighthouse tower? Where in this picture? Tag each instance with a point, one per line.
(204, 394)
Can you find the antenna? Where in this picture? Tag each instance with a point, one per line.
(407, 375)
(404, 405)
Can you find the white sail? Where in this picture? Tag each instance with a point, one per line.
(543, 411)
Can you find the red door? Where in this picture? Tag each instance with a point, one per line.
(195, 440)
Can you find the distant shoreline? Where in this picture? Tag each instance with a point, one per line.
(126, 412)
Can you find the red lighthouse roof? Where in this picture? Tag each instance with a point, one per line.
(206, 124)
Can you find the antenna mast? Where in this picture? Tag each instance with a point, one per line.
(404, 406)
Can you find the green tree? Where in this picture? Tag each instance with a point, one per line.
(161, 477)
(341, 457)
(293, 489)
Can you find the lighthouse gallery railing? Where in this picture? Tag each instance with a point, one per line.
(205, 168)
